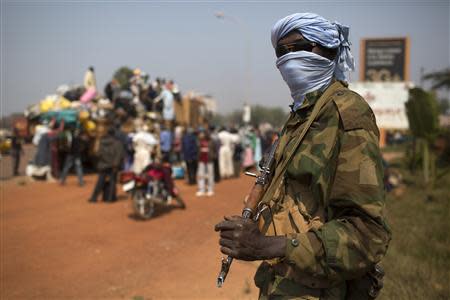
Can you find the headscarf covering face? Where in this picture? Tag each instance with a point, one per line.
(304, 71)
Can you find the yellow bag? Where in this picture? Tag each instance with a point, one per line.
(47, 104)
(63, 103)
(83, 115)
(90, 127)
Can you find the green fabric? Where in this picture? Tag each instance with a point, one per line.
(292, 137)
(340, 162)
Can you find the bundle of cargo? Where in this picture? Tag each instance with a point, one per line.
(73, 93)
(70, 116)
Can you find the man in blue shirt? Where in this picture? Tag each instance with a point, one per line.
(165, 140)
(190, 154)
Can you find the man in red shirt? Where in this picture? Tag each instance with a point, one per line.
(205, 165)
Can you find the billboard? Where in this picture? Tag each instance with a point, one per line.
(387, 100)
(385, 59)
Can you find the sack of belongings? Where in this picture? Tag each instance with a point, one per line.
(88, 96)
(69, 116)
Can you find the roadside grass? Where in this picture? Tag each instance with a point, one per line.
(417, 264)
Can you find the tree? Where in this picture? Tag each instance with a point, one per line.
(273, 115)
(123, 76)
(439, 79)
(423, 117)
(444, 106)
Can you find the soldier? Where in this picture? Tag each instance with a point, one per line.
(325, 229)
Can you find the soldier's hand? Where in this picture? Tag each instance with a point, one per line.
(240, 238)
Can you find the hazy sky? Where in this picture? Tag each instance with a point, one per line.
(48, 43)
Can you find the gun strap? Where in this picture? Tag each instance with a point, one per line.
(279, 171)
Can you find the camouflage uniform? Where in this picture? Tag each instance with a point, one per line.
(329, 203)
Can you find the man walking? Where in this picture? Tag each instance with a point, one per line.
(325, 230)
(190, 154)
(110, 156)
(73, 158)
(16, 151)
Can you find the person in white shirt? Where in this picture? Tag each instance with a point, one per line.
(144, 144)
(227, 142)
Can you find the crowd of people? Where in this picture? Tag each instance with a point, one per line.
(212, 154)
(135, 128)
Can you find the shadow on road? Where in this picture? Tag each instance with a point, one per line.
(160, 210)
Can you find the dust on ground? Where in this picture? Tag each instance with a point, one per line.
(56, 245)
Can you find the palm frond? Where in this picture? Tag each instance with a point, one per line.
(439, 79)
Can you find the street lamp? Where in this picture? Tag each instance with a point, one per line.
(244, 28)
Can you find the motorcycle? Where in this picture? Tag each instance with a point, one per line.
(148, 190)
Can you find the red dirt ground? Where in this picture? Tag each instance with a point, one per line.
(55, 245)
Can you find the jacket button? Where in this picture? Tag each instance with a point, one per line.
(294, 242)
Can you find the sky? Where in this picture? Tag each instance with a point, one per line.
(48, 43)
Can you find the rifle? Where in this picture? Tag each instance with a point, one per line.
(337, 89)
(252, 203)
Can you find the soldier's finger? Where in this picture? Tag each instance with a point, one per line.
(226, 243)
(232, 218)
(225, 225)
(225, 250)
(228, 251)
(228, 234)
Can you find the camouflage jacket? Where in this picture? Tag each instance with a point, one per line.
(330, 202)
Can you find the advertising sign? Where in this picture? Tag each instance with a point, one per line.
(385, 59)
(387, 100)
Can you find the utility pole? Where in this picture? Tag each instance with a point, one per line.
(247, 53)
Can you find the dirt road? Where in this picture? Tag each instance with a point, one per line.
(55, 245)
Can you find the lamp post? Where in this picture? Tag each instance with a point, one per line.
(244, 29)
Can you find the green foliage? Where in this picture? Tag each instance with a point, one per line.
(273, 115)
(235, 117)
(218, 120)
(123, 76)
(423, 114)
(443, 148)
(423, 117)
(444, 106)
(417, 260)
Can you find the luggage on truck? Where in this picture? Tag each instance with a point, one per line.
(54, 102)
(74, 94)
(88, 96)
(69, 116)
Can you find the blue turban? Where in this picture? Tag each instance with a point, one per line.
(319, 30)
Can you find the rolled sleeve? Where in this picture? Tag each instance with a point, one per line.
(306, 253)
